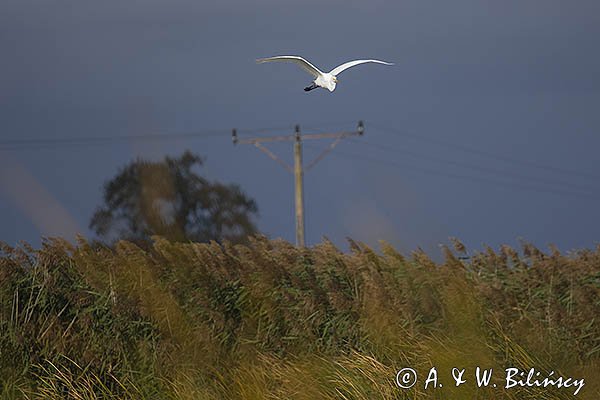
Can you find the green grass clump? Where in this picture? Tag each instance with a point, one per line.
(272, 321)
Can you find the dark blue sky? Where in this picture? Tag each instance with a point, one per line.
(487, 128)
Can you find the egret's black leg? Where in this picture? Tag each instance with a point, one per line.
(311, 87)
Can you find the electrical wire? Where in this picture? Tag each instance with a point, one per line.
(529, 182)
(65, 141)
(411, 167)
(472, 150)
(472, 166)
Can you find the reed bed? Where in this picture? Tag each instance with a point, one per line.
(268, 320)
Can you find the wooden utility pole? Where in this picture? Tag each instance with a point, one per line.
(298, 169)
(299, 180)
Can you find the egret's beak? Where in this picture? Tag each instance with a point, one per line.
(335, 80)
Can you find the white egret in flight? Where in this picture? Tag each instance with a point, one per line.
(326, 80)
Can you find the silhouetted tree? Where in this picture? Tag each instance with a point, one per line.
(168, 198)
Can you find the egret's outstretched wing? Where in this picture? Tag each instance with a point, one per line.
(308, 67)
(350, 64)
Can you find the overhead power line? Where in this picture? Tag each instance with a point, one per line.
(528, 180)
(26, 143)
(487, 154)
(12, 144)
(416, 168)
(473, 166)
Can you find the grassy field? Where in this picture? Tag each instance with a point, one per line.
(270, 321)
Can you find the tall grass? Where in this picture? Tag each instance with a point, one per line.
(271, 321)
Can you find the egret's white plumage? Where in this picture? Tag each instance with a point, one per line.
(325, 80)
